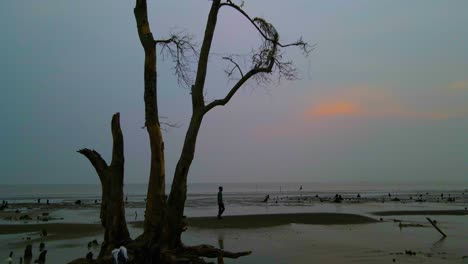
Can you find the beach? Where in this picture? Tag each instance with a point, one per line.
(292, 227)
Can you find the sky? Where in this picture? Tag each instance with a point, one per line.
(382, 97)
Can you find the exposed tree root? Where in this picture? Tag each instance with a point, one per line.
(208, 251)
(183, 255)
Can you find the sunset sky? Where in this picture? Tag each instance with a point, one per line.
(382, 97)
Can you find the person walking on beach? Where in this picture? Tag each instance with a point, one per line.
(9, 260)
(220, 202)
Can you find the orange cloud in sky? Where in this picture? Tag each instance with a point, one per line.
(364, 101)
(462, 85)
(340, 108)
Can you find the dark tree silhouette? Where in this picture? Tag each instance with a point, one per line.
(111, 177)
(164, 224)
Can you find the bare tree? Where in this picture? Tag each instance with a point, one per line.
(112, 202)
(265, 61)
(163, 224)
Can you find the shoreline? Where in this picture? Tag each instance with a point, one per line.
(67, 230)
(271, 220)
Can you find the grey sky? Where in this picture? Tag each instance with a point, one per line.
(382, 97)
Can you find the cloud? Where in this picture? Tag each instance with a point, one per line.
(373, 102)
(461, 85)
(334, 108)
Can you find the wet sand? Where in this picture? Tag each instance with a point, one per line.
(58, 230)
(422, 212)
(277, 238)
(270, 220)
(260, 221)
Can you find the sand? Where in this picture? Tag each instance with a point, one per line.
(422, 212)
(279, 238)
(260, 221)
(57, 229)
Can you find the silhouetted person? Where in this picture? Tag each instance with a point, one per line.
(28, 254)
(136, 215)
(48, 202)
(266, 198)
(220, 202)
(42, 257)
(9, 260)
(39, 200)
(41, 246)
(337, 199)
(358, 195)
(89, 256)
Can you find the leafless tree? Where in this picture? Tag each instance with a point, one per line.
(163, 225)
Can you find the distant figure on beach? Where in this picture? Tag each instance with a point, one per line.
(266, 198)
(220, 202)
(338, 198)
(358, 195)
(41, 246)
(136, 215)
(89, 256)
(10, 258)
(48, 202)
(39, 200)
(42, 257)
(28, 254)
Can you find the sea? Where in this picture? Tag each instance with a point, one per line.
(248, 198)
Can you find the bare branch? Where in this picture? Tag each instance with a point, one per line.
(96, 160)
(234, 89)
(180, 47)
(166, 125)
(266, 59)
(231, 71)
(305, 47)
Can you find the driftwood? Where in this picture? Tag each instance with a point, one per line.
(435, 226)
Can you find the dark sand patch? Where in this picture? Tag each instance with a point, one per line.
(55, 231)
(269, 220)
(422, 212)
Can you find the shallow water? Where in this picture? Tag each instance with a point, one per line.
(369, 243)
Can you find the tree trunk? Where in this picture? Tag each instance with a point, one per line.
(178, 195)
(176, 201)
(155, 204)
(111, 177)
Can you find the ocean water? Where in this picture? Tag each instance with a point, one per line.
(63, 193)
(246, 198)
(284, 244)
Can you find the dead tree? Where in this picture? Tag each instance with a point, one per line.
(111, 177)
(264, 61)
(163, 224)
